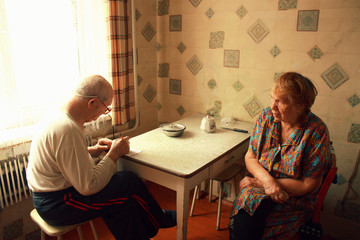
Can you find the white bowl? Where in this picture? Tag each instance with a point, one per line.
(173, 129)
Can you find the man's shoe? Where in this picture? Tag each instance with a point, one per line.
(169, 219)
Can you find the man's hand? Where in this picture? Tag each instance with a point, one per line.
(119, 147)
(105, 142)
(102, 145)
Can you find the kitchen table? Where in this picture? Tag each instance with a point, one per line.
(181, 163)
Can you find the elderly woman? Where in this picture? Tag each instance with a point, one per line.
(288, 156)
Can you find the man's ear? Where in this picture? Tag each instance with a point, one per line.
(91, 103)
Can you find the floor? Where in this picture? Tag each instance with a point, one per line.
(202, 226)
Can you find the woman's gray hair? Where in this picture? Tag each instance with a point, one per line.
(94, 86)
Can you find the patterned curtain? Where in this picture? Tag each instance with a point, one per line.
(118, 18)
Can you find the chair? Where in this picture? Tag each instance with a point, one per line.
(58, 231)
(225, 176)
(312, 229)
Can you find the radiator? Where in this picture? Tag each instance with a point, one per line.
(13, 180)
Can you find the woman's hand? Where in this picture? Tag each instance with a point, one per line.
(280, 197)
(102, 145)
(273, 189)
(271, 185)
(249, 181)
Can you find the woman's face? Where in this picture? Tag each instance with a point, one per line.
(282, 109)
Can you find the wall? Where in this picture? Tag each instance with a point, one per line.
(146, 15)
(15, 222)
(223, 56)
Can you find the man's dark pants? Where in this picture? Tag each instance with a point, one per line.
(125, 204)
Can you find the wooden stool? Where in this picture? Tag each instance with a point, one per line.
(58, 231)
(222, 178)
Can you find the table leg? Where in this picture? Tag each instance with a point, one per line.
(182, 208)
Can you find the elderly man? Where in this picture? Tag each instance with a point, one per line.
(68, 187)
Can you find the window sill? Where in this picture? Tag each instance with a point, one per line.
(16, 136)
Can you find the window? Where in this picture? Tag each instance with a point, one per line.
(46, 48)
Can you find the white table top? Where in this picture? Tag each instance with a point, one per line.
(194, 150)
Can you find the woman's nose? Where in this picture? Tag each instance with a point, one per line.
(273, 105)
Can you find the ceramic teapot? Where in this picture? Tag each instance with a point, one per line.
(208, 124)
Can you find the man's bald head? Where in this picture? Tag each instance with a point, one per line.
(95, 85)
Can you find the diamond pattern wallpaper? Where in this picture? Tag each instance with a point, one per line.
(181, 47)
(212, 83)
(194, 65)
(238, 86)
(149, 93)
(253, 106)
(148, 32)
(275, 51)
(287, 4)
(354, 134)
(209, 13)
(315, 53)
(195, 3)
(334, 76)
(241, 12)
(258, 31)
(354, 100)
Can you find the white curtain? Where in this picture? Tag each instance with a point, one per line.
(46, 48)
(8, 94)
(91, 27)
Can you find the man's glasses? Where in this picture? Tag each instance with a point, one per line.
(108, 109)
